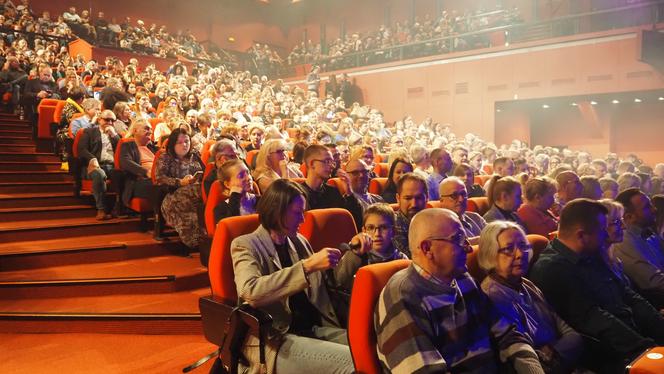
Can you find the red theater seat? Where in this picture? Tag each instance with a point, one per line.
(328, 227)
(479, 205)
(377, 185)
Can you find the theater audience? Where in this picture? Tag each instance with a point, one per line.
(432, 316)
(504, 253)
(123, 114)
(609, 188)
(628, 180)
(641, 250)
(272, 164)
(616, 231)
(454, 196)
(569, 188)
(277, 271)
(91, 108)
(319, 194)
(399, 167)
(237, 185)
(589, 296)
(441, 165)
(220, 152)
(534, 213)
(180, 171)
(96, 150)
(505, 199)
(411, 198)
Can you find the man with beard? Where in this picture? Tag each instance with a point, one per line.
(412, 197)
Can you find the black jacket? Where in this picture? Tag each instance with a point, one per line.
(130, 163)
(89, 146)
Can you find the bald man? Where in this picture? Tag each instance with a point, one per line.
(432, 316)
(358, 173)
(454, 196)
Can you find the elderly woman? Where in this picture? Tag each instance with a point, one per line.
(277, 272)
(504, 195)
(535, 212)
(399, 167)
(181, 170)
(272, 164)
(504, 254)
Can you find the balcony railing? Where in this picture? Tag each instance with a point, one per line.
(599, 20)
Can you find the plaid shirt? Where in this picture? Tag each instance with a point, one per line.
(400, 238)
(424, 325)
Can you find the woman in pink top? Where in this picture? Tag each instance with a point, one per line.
(535, 213)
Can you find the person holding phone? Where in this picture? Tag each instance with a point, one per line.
(177, 172)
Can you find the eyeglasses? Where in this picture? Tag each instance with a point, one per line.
(511, 249)
(327, 161)
(279, 151)
(372, 229)
(455, 195)
(228, 155)
(459, 239)
(358, 173)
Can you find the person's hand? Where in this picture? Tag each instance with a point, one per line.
(365, 242)
(187, 179)
(93, 165)
(324, 259)
(42, 94)
(343, 176)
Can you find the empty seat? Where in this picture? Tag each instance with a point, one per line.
(377, 185)
(328, 227)
(479, 205)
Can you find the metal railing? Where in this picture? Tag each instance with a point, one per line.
(600, 20)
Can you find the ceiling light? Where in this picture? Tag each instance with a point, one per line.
(498, 110)
(593, 102)
(545, 106)
(661, 98)
(637, 100)
(615, 101)
(574, 104)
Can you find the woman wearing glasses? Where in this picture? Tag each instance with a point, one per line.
(272, 164)
(504, 254)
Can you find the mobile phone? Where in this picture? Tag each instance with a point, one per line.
(97, 94)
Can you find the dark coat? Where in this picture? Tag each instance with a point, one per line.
(130, 163)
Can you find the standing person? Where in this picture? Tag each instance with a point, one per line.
(277, 271)
(313, 79)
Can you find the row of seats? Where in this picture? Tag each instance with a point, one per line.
(327, 228)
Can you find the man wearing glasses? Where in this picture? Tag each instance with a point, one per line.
(222, 151)
(358, 172)
(453, 196)
(96, 149)
(432, 316)
(319, 194)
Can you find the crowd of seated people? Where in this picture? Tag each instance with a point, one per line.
(313, 153)
(406, 32)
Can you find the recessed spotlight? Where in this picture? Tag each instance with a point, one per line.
(661, 98)
(637, 100)
(545, 106)
(615, 101)
(516, 96)
(498, 110)
(593, 102)
(574, 104)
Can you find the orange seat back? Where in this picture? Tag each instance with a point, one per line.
(205, 152)
(377, 185)
(433, 204)
(553, 235)
(649, 362)
(216, 195)
(328, 227)
(538, 242)
(153, 172)
(378, 158)
(369, 282)
(338, 184)
(479, 205)
(209, 168)
(482, 179)
(488, 169)
(57, 114)
(116, 155)
(77, 139)
(381, 169)
(303, 169)
(45, 112)
(220, 265)
(473, 265)
(251, 155)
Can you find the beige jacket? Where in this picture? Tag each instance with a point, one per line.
(264, 284)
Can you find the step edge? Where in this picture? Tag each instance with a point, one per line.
(87, 281)
(65, 225)
(99, 316)
(86, 248)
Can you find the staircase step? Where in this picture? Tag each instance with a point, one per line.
(88, 352)
(15, 131)
(36, 254)
(35, 176)
(30, 165)
(46, 212)
(151, 275)
(119, 323)
(35, 156)
(16, 140)
(26, 200)
(32, 187)
(18, 148)
(17, 231)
